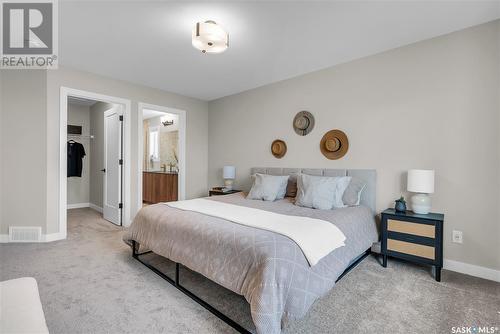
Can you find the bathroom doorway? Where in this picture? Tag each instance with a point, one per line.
(162, 152)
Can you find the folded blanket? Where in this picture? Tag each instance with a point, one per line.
(315, 237)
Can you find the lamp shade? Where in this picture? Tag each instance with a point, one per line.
(421, 181)
(209, 37)
(229, 172)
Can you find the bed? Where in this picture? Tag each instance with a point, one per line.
(269, 269)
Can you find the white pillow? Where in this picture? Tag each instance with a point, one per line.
(316, 192)
(268, 187)
(321, 192)
(342, 184)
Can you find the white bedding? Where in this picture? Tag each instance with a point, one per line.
(315, 237)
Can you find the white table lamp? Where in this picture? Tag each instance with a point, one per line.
(229, 174)
(421, 182)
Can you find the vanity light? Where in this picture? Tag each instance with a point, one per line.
(165, 121)
(209, 37)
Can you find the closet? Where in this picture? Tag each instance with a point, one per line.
(79, 153)
(94, 155)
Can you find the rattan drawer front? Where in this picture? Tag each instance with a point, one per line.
(422, 230)
(410, 248)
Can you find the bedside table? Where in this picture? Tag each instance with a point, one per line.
(216, 192)
(413, 237)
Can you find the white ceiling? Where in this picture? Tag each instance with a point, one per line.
(148, 113)
(150, 42)
(79, 101)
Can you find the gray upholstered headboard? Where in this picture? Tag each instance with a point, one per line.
(368, 196)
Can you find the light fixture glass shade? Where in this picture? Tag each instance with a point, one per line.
(209, 37)
(229, 172)
(421, 181)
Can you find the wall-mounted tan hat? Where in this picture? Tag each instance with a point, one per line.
(334, 144)
(278, 148)
(303, 123)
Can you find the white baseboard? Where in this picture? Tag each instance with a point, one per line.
(84, 205)
(77, 206)
(472, 270)
(4, 238)
(52, 237)
(95, 207)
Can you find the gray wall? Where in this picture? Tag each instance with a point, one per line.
(78, 187)
(23, 149)
(196, 132)
(97, 147)
(432, 104)
(1, 151)
(30, 119)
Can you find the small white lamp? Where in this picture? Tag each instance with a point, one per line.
(228, 174)
(421, 181)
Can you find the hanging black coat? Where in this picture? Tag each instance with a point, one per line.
(76, 152)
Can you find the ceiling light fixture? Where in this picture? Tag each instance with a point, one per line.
(209, 37)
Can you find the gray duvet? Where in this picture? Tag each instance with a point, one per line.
(267, 268)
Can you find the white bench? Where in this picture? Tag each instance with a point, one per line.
(20, 307)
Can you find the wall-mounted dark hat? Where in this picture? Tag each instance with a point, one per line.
(303, 123)
(278, 148)
(334, 144)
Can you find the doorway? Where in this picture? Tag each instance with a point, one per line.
(161, 152)
(94, 155)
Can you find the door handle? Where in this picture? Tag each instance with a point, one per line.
(103, 170)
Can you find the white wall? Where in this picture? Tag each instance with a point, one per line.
(433, 104)
(78, 187)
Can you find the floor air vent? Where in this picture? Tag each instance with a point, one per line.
(25, 234)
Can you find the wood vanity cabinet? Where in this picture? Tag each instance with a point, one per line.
(159, 187)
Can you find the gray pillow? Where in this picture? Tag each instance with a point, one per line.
(352, 195)
(268, 187)
(291, 188)
(283, 186)
(315, 192)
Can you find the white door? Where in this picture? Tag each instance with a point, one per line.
(112, 199)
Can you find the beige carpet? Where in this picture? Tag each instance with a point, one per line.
(90, 284)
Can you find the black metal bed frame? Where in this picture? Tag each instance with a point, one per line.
(176, 282)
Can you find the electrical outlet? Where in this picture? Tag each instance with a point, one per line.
(457, 237)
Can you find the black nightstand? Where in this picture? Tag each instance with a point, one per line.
(216, 192)
(413, 237)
